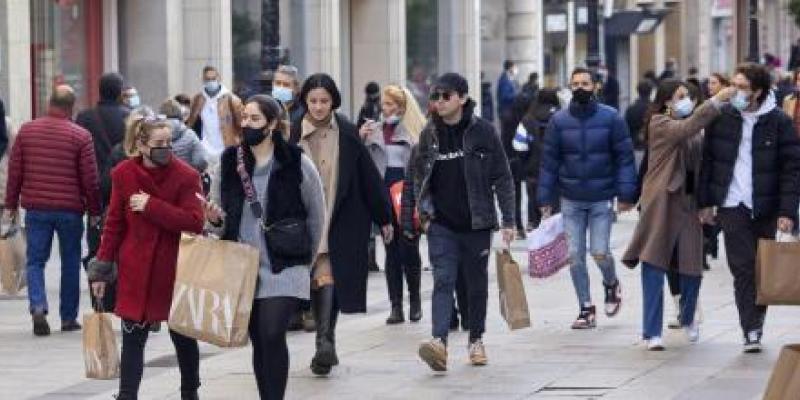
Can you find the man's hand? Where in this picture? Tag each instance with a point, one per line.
(546, 212)
(366, 129)
(94, 221)
(98, 289)
(387, 231)
(624, 207)
(785, 225)
(508, 235)
(138, 201)
(10, 214)
(706, 216)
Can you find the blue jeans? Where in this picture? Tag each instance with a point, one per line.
(39, 227)
(450, 252)
(653, 294)
(596, 217)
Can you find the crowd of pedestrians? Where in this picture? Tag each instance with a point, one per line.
(227, 166)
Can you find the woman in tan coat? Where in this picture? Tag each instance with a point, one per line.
(669, 229)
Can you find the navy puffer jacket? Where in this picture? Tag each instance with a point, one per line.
(587, 156)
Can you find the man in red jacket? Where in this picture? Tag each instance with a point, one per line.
(52, 169)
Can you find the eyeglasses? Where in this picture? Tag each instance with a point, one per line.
(437, 95)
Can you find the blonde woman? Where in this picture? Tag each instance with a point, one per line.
(389, 142)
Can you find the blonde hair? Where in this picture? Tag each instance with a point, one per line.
(412, 119)
(140, 124)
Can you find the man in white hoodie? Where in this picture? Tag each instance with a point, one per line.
(751, 176)
(215, 114)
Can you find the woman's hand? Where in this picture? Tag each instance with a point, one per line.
(366, 128)
(213, 212)
(725, 95)
(139, 201)
(387, 231)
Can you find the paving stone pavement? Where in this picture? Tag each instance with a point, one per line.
(546, 361)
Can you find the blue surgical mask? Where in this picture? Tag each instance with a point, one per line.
(392, 119)
(683, 107)
(283, 94)
(211, 86)
(134, 101)
(740, 101)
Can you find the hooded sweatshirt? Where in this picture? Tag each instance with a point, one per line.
(187, 146)
(741, 188)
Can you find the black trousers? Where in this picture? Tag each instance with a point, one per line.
(269, 322)
(534, 215)
(518, 203)
(403, 259)
(741, 243)
(134, 338)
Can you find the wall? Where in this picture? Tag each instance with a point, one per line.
(15, 59)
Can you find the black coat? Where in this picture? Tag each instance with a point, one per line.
(106, 123)
(776, 163)
(634, 116)
(3, 130)
(361, 200)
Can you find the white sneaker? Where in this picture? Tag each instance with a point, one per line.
(655, 344)
(692, 332)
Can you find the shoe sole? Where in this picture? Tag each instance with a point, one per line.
(479, 362)
(656, 348)
(752, 349)
(429, 355)
(615, 312)
(584, 327)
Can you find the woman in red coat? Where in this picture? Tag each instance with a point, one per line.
(153, 200)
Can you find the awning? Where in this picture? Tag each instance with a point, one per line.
(628, 22)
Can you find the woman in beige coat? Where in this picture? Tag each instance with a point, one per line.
(669, 229)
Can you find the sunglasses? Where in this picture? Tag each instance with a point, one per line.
(446, 96)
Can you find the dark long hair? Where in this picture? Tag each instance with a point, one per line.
(541, 108)
(666, 89)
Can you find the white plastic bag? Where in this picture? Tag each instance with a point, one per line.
(548, 250)
(521, 139)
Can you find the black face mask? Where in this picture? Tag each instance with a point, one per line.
(253, 136)
(160, 155)
(582, 96)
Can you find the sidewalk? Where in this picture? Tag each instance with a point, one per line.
(547, 361)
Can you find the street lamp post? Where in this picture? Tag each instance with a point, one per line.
(271, 51)
(752, 13)
(593, 36)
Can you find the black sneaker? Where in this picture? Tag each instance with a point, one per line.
(752, 342)
(40, 325)
(70, 326)
(586, 319)
(613, 300)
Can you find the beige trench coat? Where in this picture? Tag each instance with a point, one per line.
(669, 216)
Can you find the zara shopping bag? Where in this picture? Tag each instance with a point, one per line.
(778, 271)
(12, 260)
(214, 288)
(100, 347)
(548, 251)
(513, 303)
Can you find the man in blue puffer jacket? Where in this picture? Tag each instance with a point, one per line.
(588, 160)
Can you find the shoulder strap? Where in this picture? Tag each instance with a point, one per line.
(247, 184)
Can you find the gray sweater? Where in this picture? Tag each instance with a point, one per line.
(187, 146)
(291, 282)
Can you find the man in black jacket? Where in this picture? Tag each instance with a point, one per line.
(635, 114)
(106, 123)
(459, 169)
(751, 174)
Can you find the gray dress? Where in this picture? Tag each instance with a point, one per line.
(291, 282)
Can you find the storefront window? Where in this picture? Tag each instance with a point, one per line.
(66, 48)
(422, 38)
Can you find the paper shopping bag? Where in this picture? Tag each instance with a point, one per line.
(12, 261)
(784, 384)
(513, 303)
(214, 289)
(548, 250)
(100, 347)
(778, 273)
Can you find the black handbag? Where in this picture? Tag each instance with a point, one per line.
(288, 240)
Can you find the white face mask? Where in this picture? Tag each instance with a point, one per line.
(683, 107)
(741, 101)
